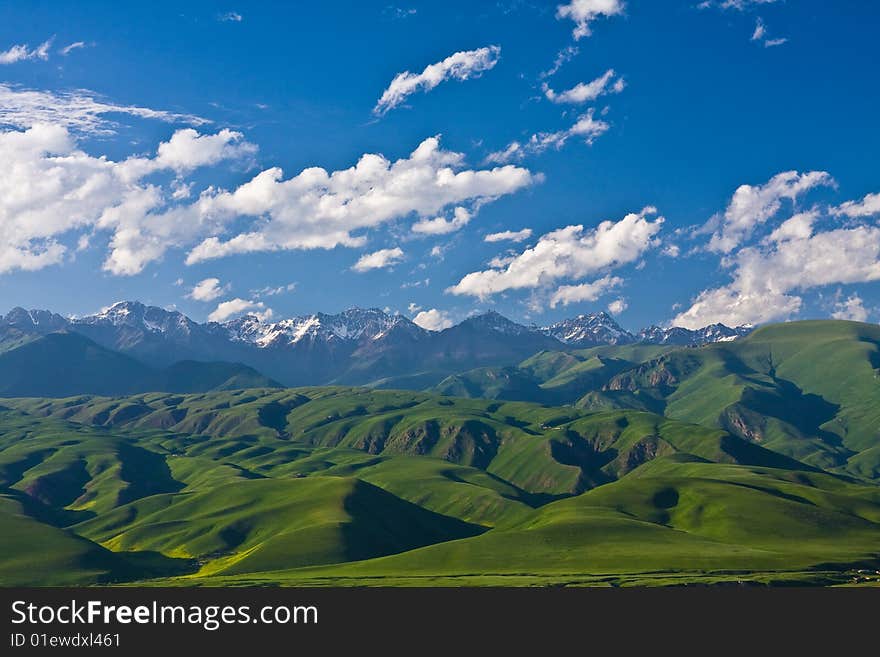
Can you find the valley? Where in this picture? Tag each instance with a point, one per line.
(752, 459)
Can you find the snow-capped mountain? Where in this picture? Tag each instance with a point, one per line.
(136, 316)
(352, 325)
(589, 330)
(677, 335)
(356, 346)
(34, 321)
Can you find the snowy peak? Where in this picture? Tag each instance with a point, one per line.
(40, 321)
(589, 330)
(357, 323)
(352, 325)
(679, 336)
(135, 315)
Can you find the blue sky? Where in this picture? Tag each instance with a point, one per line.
(779, 96)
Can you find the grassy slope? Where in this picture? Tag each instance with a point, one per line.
(806, 389)
(671, 517)
(347, 485)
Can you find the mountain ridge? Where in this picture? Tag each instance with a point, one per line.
(358, 346)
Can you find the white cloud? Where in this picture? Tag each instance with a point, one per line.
(433, 320)
(587, 127)
(764, 277)
(270, 291)
(568, 294)
(760, 30)
(509, 236)
(512, 152)
(66, 50)
(399, 13)
(51, 188)
(585, 92)
(867, 207)
(671, 251)
(378, 259)
(230, 17)
(752, 206)
(739, 5)
(618, 306)
(229, 309)
(317, 209)
(188, 150)
(208, 290)
(442, 225)
(567, 253)
(562, 57)
(800, 226)
(459, 66)
(77, 110)
(413, 307)
(24, 52)
(584, 12)
(760, 34)
(852, 309)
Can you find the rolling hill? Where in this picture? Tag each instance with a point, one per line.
(357, 486)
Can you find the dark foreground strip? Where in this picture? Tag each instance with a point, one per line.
(130, 621)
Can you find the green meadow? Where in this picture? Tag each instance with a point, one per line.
(754, 461)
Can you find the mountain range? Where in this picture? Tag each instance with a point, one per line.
(747, 459)
(355, 347)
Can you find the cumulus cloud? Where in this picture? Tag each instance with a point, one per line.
(462, 65)
(230, 17)
(378, 259)
(23, 52)
(753, 205)
(188, 150)
(587, 127)
(800, 226)
(78, 111)
(51, 188)
(53, 191)
(767, 277)
(585, 92)
(571, 253)
(584, 12)
(228, 309)
(433, 320)
(568, 294)
(867, 207)
(509, 236)
(317, 209)
(852, 309)
(208, 290)
(618, 306)
(442, 225)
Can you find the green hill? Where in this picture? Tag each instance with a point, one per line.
(748, 461)
(806, 389)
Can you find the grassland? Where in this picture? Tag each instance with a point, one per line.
(757, 470)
